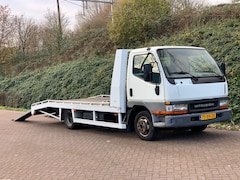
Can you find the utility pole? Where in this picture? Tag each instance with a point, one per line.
(59, 26)
(112, 9)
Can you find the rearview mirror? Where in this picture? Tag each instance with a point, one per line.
(147, 70)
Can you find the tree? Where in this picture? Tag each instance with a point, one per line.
(136, 20)
(6, 26)
(178, 5)
(26, 34)
(95, 16)
(50, 31)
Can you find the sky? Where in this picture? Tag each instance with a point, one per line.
(37, 9)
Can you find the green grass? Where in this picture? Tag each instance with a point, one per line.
(12, 109)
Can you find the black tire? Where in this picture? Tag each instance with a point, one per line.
(68, 120)
(144, 127)
(198, 129)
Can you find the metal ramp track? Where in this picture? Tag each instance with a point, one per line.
(24, 116)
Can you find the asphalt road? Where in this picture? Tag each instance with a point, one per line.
(43, 148)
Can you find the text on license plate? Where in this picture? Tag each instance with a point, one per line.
(208, 116)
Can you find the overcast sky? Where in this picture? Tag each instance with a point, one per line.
(36, 9)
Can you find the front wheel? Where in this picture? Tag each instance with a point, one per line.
(144, 126)
(68, 120)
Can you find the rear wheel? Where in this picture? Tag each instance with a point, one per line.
(144, 127)
(68, 120)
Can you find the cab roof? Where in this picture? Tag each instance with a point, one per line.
(154, 48)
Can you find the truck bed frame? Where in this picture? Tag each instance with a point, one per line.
(94, 110)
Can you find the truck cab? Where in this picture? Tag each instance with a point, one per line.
(175, 87)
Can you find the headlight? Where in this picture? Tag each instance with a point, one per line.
(223, 104)
(173, 109)
(177, 109)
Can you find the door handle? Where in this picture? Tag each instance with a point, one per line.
(131, 92)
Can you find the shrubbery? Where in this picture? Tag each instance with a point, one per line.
(137, 21)
(81, 78)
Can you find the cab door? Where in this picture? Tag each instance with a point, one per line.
(143, 80)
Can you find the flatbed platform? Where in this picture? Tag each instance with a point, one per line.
(94, 110)
(100, 100)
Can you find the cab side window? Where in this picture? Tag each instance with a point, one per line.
(140, 61)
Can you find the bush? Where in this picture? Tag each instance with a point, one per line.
(65, 81)
(137, 21)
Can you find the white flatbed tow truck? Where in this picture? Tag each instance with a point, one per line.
(151, 88)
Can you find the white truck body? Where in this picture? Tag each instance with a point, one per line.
(147, 94)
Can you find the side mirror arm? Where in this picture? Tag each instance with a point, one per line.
(223, 68)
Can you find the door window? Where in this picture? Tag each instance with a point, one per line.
(139, 62)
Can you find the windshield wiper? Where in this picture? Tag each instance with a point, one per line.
(184, 72)
(215, 74)
(211, 72)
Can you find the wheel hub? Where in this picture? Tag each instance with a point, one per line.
(143, 126)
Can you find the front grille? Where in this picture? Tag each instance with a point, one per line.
(203, 105)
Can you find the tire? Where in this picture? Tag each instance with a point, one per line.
(68, 120)
(198, 129)
(144, 127)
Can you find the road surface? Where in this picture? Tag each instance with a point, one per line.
(43, 148)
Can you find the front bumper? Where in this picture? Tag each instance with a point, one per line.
(190, 120)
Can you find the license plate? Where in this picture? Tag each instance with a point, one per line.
(208, 116)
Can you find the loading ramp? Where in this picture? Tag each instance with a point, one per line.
(24, 116)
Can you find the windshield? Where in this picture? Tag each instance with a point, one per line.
(188, 62)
